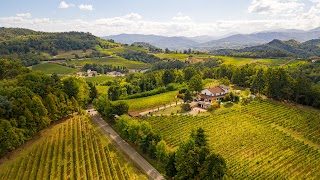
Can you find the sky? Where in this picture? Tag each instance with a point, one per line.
(162, 17)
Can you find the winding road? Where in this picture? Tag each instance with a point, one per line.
(125, 147)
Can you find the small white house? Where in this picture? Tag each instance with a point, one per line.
(215, 93)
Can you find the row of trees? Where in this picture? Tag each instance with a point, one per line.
(103, 69)
(275, 82)
(30, 101)
(155, 82)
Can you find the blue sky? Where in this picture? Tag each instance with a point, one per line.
(162, 17)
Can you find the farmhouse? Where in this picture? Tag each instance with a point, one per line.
(91, 73)
(210, 94)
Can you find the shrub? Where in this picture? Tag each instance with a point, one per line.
(185, 107)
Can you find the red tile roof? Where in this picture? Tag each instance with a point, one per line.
(216, 89)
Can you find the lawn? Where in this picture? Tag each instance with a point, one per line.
(49, 68)
(115, 61)
(152, 101)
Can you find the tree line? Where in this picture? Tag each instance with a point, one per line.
(103, 69)
(281, 83)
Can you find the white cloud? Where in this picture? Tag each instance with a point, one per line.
(180, 26)
(276, 7)
(133, 16)
(64, 5)
(86, 7)
(24, 15)
(180, 17)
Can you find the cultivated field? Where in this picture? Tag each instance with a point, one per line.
(73, 150)
(49, 68)
(263, 140)
(151, 101)
(115, 61)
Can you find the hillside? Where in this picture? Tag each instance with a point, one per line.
(29, 47)
(173, 43)
(245, 40)
(276, 48)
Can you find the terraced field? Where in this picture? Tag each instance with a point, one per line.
(74, 150)
(263, 140)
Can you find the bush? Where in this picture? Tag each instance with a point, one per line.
(180, 96)
(185, 107)
(182, 91)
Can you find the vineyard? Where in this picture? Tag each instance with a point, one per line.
(257, 140)
(75, 150)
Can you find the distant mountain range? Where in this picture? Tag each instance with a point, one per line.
(236, 41)
(276, 48)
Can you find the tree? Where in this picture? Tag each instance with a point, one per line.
(170, 167)
(214, 167)
(167, 51)
(257, 85)
(76, 56)
(168, 77)
(185, 107)
(162, 151)
(193, 159)
(225, 81)
(195, 83)
(114, 92)
(187, 96)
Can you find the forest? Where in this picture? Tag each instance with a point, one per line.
(31, 101)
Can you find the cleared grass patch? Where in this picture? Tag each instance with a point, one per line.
(49, 68)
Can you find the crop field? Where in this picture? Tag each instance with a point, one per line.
(151, 101)
(267, 62)
(263, 140)
(115, 61)
(99, 79)
(49, 68)
(74, 150)
(181, 57)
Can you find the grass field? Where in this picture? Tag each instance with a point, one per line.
(74, 149)
(115, 61)
(263, 140)
(99, 79)
(49, 68)
(151, 101)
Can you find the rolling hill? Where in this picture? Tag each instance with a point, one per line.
(276, 48)
(173, 43)
(245, 40)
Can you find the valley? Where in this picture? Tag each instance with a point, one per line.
(188, 114)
